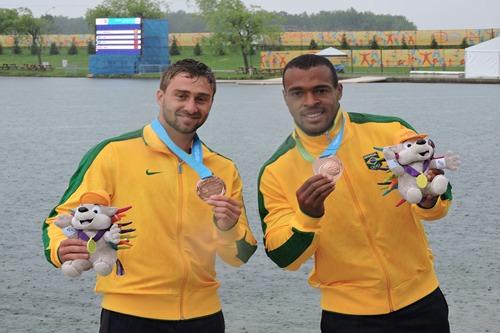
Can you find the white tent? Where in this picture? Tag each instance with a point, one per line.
(331, 52)
(483, 60)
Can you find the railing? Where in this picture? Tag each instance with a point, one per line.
(29, 67)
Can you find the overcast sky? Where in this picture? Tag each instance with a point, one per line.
(426, 14)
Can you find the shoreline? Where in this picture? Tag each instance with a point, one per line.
(353, 78)
(375, 79)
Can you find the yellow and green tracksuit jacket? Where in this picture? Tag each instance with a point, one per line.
(170, 269)
(370, 257)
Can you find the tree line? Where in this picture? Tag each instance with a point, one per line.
(337, 20)
(232, 24)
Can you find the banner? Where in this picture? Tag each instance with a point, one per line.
(271, 60)
(420, 38)
(60, 40)
(187, 39)
(278, 59)
(389, 38)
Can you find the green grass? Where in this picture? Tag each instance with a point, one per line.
(230, 61)
(225, 67)
(77, 64)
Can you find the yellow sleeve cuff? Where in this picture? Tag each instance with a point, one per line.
(439, 210)
(304, 222)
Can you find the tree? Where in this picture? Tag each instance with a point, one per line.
(464, 44)
(197, 50)
(54, 50)
(344, 44)
(404, 44)
(73, 50)
(216, 46)
(1, 48)
(8, 18)
(151, 9)
(313, 45)
(90, 47)
(16, 49)
(374, 43)
(174, 48)
(434, 43)
(30, 25)
(241, 27)
(346, 20)
(34, 49)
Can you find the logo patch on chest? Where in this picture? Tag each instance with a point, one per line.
(373, 161)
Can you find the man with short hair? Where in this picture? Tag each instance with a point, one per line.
(187, 207)
(318, 196)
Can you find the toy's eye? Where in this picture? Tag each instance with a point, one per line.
(408, 145)
(96, 209)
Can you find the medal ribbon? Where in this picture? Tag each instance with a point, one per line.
(194, 160)
(330, 150)
(414, 173)
(85, 237)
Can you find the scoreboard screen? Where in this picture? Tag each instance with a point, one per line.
(118, 36)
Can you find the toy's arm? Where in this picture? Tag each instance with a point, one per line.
(96, 171)
(236, 245)
(112, 236)
(449, 161)
(392, 163)
(64, 222)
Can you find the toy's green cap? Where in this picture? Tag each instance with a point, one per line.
(97, 197)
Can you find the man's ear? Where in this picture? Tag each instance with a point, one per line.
(340, 89)
(159, 96)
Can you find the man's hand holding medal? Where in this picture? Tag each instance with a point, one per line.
(327, 171)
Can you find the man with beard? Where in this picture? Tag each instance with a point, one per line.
(318, 196)
(187, 207)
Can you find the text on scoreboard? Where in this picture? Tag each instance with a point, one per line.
(118, 36)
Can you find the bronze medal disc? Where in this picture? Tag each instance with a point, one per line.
(330, 166)
(210, 186)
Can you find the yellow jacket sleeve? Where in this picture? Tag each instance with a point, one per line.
(94, 172)
(290, 236)
(236, 245)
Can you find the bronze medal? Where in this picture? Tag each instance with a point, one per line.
(329, 166)
(210, 186)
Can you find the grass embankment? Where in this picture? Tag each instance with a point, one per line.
(225, 67)
(77, 64)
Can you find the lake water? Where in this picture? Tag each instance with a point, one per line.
(47, 124)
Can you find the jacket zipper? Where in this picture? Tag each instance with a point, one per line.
(180, 240)
(371, 240)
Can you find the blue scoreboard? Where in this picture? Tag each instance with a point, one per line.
(118, 36)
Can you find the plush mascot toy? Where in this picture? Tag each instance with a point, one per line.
(410, 161)
(95, 222)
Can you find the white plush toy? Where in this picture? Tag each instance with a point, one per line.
(94, 222)
(411, 159)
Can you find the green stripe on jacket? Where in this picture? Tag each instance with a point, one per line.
(300, 241)
(362, 118)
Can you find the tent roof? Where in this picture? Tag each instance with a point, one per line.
(490, 45)
(330, 52)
